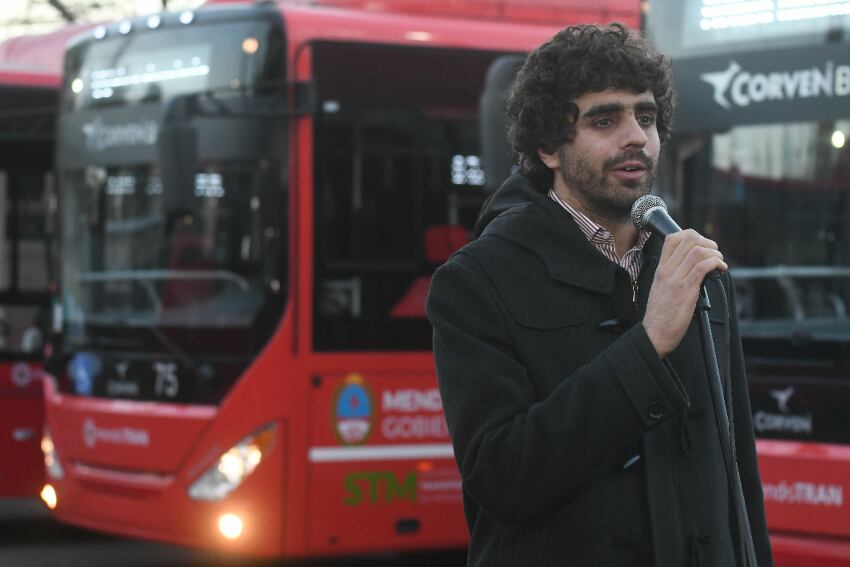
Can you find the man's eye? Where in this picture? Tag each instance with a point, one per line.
(603, 123)
(647, 119)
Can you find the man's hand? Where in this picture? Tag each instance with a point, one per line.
(686, 259)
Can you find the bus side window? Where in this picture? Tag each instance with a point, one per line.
(25, 207)
(398, 187)
(440, 243)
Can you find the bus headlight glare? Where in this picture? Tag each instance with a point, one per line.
(51, 459)
(233, 467)
(48, 496)
(232, 464)
(230, 526)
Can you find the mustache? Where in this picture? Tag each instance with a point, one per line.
(626, 157)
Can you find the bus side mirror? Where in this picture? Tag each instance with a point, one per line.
(496, 155)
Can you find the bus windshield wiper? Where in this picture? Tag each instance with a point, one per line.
(203, 370)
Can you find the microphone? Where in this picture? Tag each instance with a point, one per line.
(650, 213)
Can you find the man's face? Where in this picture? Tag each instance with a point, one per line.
(612, 159)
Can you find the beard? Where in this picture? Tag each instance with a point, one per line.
(605, 197)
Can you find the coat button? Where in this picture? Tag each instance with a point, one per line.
(656, 410)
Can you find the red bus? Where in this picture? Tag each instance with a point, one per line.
(28, 98)
(253, 199)
(759, 162)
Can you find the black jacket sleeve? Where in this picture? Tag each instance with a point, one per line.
(520, 455)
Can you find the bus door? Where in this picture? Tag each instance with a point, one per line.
(27, 212)
(398, 186)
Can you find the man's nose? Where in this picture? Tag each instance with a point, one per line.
(634, 135)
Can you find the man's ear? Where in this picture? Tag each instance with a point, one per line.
(552, 161)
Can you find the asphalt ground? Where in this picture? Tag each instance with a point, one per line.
(29, 537)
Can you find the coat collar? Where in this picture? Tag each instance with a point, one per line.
(546, 229)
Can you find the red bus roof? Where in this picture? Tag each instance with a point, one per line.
(38, 54)
(504, 25)
(37, 59)
(311, 21)
(550, 12)
(11, 76)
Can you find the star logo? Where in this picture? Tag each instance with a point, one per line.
(121, 369)
(720, 81)
(782, 397)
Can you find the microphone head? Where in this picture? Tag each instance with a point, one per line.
(642, 206)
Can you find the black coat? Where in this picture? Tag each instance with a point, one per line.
(551, 386)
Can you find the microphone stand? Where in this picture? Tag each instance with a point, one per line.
(650, 212)
(724, 424)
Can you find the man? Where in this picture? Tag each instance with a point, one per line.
(569, 361)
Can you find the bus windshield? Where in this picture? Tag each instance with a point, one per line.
(136, 261)
(774, 197)
(173, 181)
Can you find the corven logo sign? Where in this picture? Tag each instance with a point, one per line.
(738, 87)
(784, 421)
(100, 136)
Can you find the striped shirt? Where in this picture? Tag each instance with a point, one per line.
(602, 239)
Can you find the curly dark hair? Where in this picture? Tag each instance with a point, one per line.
(541, 111)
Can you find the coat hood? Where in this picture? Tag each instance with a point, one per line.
(517, 189)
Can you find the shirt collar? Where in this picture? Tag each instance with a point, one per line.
(593, 231)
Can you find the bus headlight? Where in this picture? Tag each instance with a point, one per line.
(230, 526)
(48, 496)
(51, 459)
(234, 466)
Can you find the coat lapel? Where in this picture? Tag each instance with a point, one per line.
(552, 235)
